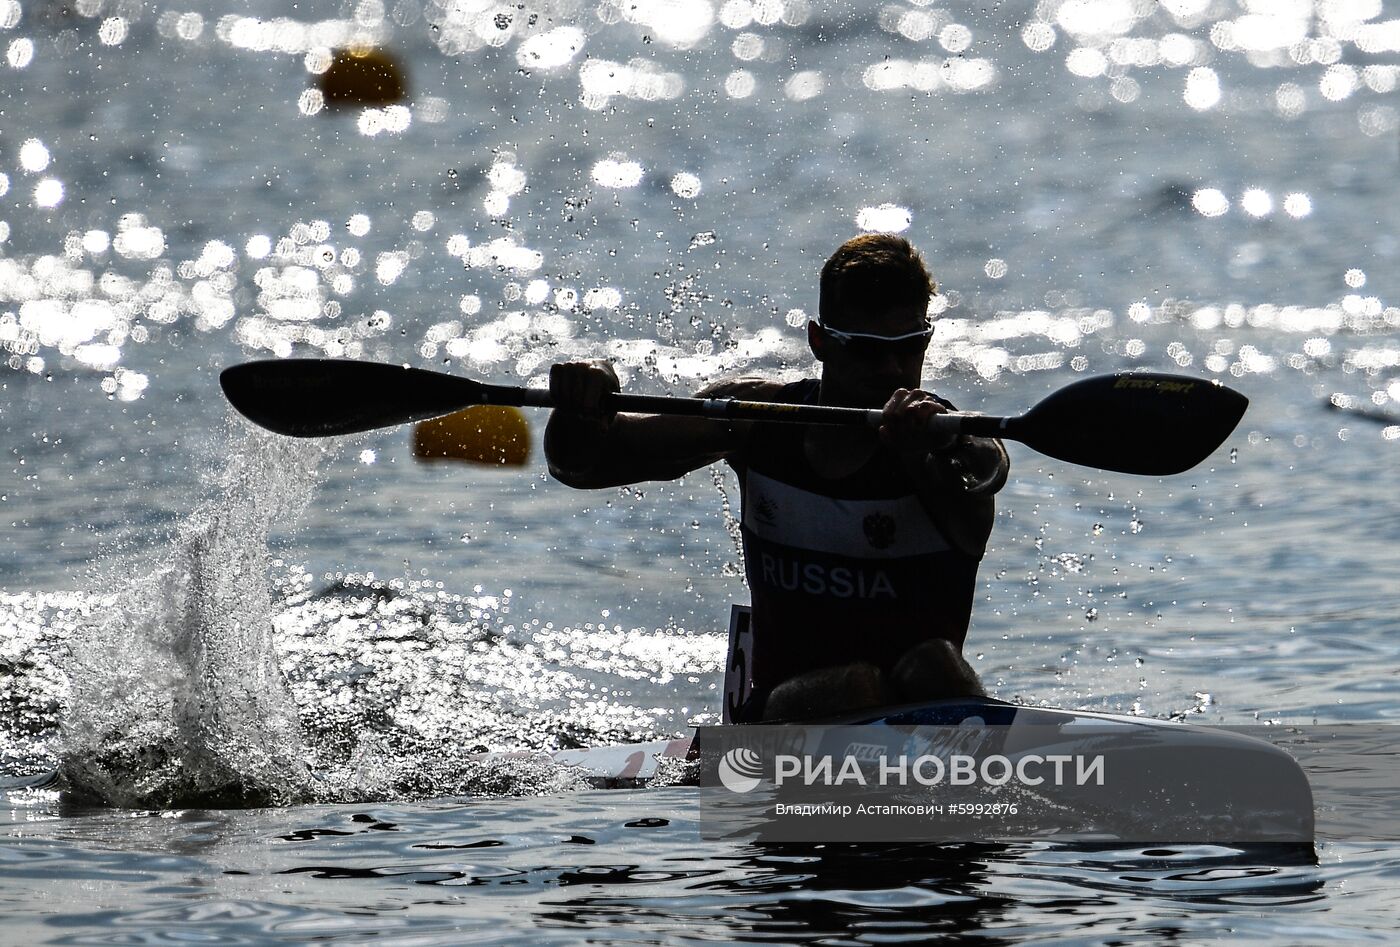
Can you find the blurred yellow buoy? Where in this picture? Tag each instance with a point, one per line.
(484, 434)
(363, 75)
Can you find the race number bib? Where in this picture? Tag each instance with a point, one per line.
(738, 671)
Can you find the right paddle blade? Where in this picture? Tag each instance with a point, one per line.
(322, 397)
(1140, 423)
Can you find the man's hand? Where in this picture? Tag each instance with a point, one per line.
(578, 429)
(581, 388)
(905, 423)
(971, 465)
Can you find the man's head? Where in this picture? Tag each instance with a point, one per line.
(872, 271)
(873, 326)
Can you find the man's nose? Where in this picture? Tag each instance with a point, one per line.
(887, 361)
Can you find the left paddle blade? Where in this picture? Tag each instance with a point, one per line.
(317, 397)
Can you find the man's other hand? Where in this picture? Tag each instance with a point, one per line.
(904, 425)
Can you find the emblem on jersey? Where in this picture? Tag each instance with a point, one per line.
(879, 530)
(767, 512)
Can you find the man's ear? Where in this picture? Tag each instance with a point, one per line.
(816, 340)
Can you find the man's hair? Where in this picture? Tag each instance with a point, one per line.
(874, 271)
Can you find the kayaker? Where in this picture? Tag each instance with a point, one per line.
(861, 551)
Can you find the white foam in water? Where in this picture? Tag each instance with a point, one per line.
(176, 693)
(213, 678)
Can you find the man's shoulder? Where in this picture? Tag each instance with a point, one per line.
(752, 388)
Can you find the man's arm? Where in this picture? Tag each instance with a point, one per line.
(589, 447)
(958, 489)
(955, 481)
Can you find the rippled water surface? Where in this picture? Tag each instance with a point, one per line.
(626, 866)
(245, 681)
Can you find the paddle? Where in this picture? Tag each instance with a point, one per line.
(1140, 422)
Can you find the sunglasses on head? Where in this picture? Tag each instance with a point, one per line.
(864, 343)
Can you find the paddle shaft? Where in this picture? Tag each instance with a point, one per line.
(730, 409)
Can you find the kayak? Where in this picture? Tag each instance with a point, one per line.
(633, 764)
(1230, 785)
(1168, 779)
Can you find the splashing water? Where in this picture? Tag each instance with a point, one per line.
(220, 678)
(175, 694)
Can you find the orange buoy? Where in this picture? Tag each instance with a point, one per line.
(483, 434)
(363, 75)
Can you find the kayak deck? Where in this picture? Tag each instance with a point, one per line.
(619, 766)
(1222, 778)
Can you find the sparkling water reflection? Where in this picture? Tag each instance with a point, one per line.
(1099, 184)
